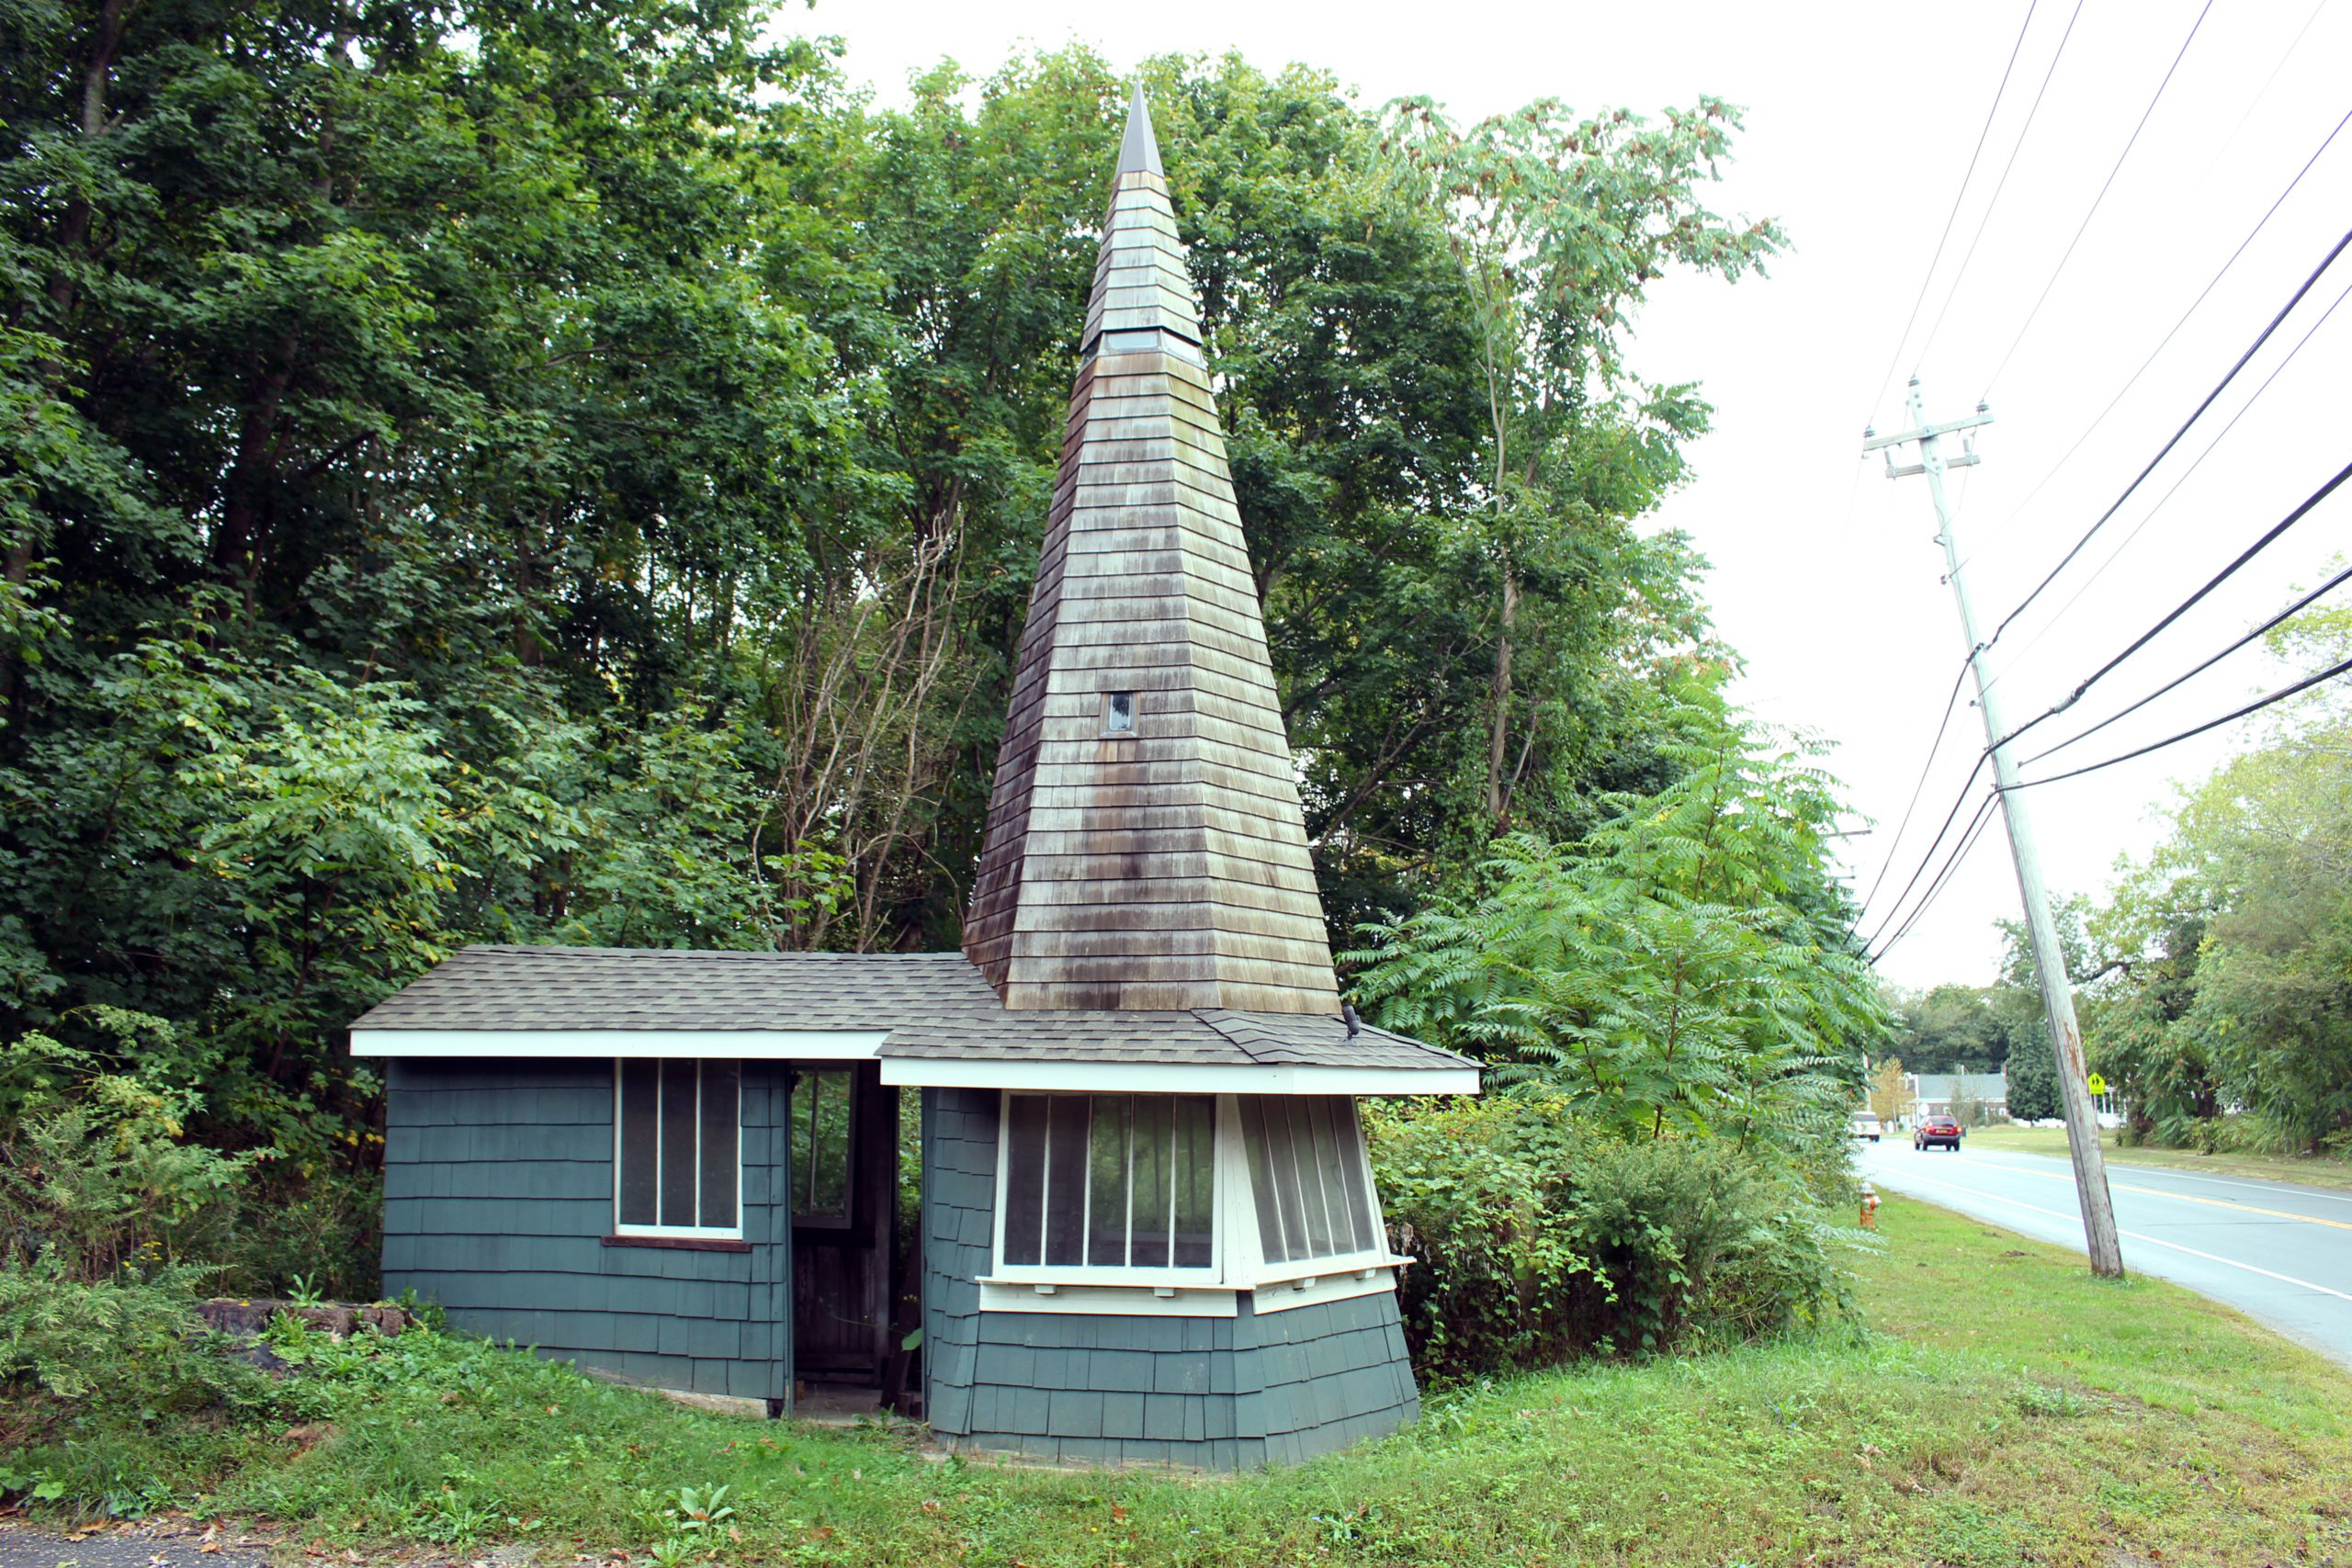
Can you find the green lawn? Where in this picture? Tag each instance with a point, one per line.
(2004, 1408)
(2053, 1141)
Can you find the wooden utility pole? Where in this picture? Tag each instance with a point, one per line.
(2049, 958)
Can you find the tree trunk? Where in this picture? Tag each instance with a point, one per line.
(1499, 730)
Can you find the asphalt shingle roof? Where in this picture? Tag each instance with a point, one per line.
(935, 1005)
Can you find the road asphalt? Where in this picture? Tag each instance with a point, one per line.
(2277, 1252)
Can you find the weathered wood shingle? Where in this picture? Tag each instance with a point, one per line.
(1165, 867)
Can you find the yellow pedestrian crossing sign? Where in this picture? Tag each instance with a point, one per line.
(2098, 1085)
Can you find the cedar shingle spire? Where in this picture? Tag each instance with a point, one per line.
(1144, 846)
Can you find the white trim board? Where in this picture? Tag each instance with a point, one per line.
(1165, 1078)
(1188, 1301)
(666, 1045)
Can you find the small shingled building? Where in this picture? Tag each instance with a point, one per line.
(1148, 1226)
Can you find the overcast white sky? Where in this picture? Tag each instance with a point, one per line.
(1861, 118)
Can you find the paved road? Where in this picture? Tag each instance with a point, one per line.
(2277, 1252)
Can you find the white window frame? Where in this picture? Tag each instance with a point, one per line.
(1312, 1268)
(1237, 1258)
(1220, 1188)
(681, 1233)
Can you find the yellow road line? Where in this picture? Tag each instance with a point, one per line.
(2177, 1197)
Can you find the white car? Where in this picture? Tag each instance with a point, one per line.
(1865, 1126)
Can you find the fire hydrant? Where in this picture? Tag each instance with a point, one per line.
(1870, 1207)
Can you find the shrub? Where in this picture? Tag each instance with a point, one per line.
(1540, 1237)
(94, 1172)
(114, 1353)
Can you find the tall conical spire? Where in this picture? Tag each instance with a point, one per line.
(1139, 149)
(1145, 845)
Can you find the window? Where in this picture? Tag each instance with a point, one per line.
(1109, 1181)
(822, 1099)
(677, 1148)
(1307, 1174)
(1119, 713)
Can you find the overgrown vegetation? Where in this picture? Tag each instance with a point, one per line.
(1541, 1237)
(2062, 1420)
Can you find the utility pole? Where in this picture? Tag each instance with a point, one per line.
(2049, 958)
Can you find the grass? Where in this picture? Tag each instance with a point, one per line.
(2004, 1407)
(2308, 1171)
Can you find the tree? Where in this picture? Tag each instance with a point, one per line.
(1889, 1097)
(2235, 938)
(1687, 966)
(2033, 1081)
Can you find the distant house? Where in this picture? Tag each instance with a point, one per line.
(1147, 1228)
(1938, 1094)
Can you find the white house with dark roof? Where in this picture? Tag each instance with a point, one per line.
(1148, 1226)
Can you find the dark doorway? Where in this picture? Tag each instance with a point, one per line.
(845, 1217)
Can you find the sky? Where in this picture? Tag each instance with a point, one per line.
(1860, 122)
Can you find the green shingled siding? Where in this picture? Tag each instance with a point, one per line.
(1221, 1393)
(498, 1190)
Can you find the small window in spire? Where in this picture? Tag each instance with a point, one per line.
(1119, 714)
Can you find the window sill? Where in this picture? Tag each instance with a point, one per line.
(1332, 1281)
(680, 1243)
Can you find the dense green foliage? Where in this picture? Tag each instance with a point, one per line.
(1686, 967)
(2225, 1015)
(1540, 1237)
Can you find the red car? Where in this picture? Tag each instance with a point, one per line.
(1936, 1130)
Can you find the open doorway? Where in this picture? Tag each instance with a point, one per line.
(847, 1347)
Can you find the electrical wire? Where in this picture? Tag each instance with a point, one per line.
(2174, 440)
(2275, 532)
(1952, 704)
(2174, 489)
(1967, 842)
(1930, 276)
(2105, 186)
(2134, 379)
(2305, 603)
(2262, 91)
(2023, 131)
(1937, 842)
(1967, 783)
(2305, 685)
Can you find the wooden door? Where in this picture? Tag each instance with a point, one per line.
(844, 1219)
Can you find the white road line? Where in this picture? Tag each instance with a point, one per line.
(2136, 1235)
(2274, 1188)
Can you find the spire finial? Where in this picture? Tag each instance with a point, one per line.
(1139, 152)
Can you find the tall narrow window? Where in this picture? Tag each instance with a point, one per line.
(677, 1138)
(1307, 1177)
(822, 1100)
(1117, 1181)
(1119, 714)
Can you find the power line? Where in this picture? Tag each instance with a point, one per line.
(2174, 489)
(1957, 196)
(1982, 757)
(2252, 550)
(1952, 704)
(1937, 842)
(2134, 379)
(2262, 91)
(2023, 131)
(2305, 603)
(2084, 227)
(2174, 440)
(1952, 863)
(2306, 683)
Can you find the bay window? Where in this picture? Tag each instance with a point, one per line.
(1175, 1192)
